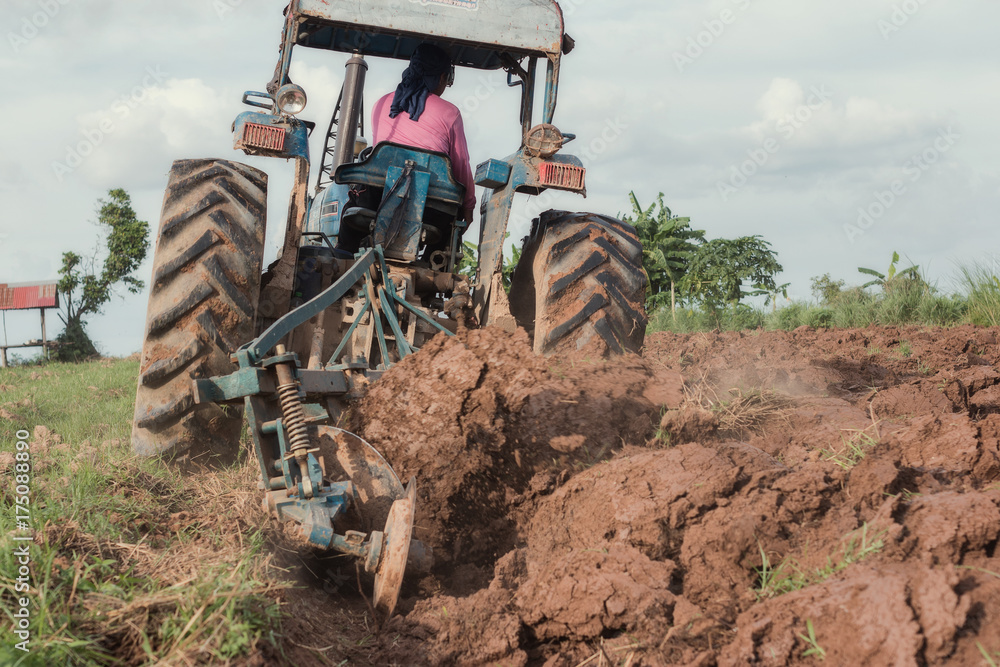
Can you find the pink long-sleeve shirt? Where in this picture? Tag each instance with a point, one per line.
(440, 129)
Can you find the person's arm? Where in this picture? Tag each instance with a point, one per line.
(461, 167)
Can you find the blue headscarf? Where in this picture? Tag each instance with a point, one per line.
(421, 78)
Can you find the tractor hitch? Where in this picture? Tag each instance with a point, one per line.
(343, 495)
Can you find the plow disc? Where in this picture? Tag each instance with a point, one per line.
(346, 456)
(398, 534)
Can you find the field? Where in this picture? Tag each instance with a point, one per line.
(774, 498)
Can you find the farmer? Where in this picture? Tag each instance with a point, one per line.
(415, 115)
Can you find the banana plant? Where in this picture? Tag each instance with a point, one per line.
(668, 245)
(467, 265)
(892, 276)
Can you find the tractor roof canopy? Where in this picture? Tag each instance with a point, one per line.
(476, 32)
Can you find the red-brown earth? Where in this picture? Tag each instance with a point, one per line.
(630, 511)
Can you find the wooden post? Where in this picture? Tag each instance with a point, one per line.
(45, 342)
(3, 357)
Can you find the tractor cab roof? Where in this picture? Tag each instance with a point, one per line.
(477, 33)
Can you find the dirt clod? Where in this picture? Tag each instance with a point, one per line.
(723, 499)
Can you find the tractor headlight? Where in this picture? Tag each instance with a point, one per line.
(291, 99)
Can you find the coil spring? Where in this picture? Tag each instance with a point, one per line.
(295, 417)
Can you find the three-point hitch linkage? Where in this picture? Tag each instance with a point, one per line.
(339, 490)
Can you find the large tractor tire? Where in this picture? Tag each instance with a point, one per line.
(579, 285)
(202, 305)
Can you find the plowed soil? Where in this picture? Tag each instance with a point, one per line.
(726, 499)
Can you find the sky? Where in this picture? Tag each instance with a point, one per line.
(839, 132)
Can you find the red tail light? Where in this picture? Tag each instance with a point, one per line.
(562, 176)
(263, 137)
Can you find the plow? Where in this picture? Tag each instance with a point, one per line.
(367, 273)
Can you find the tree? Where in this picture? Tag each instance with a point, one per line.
(84, 290)
(827, 290)
(719, 269)
(668, 244)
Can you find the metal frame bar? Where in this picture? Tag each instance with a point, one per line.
(402, 346)
(286, 324)
(422, 315)
(350, 332)
(551, 89)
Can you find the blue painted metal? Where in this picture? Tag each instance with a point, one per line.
(390, 315)
(422, 315)
(379, 331)
(325, 211)
(493, 174)
(551, 90)
(236, 386)
(496, 213)
(296, 133)
(266, 341)
(317, 515)
(350, 332)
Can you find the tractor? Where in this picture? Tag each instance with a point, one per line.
(367, 272)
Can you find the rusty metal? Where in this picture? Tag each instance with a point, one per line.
(26, 296)
(291, 406)
(347, 456)
(294, 418)
(276, 286)
(394, 553)
(543, 140)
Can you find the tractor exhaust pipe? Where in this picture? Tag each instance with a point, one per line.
(350, 111)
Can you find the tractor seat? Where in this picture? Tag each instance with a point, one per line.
(444, 194)
(358, 218)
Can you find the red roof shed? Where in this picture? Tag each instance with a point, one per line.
(25, 296)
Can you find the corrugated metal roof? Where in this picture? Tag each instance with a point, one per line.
(22, 296)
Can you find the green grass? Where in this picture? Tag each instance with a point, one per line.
(907, 303)
(991, 660)
(130, 560)
(662, 435)
(855, 448)
(983, 290)
(788, 576)
(812, 646)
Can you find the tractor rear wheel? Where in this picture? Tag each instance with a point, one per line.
(580, 285)
(202, 305)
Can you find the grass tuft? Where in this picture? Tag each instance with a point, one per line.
(788, 576)
(983, 294)
(991, 660)
(812, 646)
(856, 447)
(746, 411)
